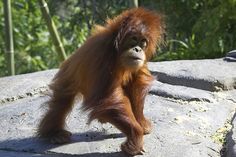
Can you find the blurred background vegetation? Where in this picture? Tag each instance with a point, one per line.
(196, 29)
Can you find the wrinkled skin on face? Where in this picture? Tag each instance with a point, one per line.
(133, 56)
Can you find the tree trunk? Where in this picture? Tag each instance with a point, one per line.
(52, 30)
(9, 38)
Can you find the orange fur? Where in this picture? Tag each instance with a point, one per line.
(111, 93)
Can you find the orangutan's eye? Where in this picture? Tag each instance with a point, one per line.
(133, 41)
(143, 43)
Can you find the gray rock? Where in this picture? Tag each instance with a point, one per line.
(231, 140)
(186, 121)
(181, 92)
(185, 127)
(20, 86)
(10, 153)
(230, 56)
(211, 75)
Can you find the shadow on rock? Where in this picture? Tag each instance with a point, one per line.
(41, 146)
(229, 150)
(94, 136)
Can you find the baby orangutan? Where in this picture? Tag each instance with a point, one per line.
(110, 71)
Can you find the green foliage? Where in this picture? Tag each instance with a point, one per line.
(34, 50)
(2, 62)
(195, 29)
(177, 50)
(31, 39)
(216, 28)
(208, 28)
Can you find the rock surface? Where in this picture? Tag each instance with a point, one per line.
(211, 75)
(187, 120)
